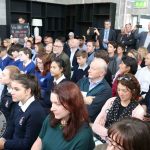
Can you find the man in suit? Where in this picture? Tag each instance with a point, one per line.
(95, 88)
(107, 34)
(143, 38)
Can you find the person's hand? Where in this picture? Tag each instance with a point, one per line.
(89, 99)
(2, 142)
(96, 31)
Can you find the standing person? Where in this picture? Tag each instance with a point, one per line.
(68, 121)
(128, 39)
(107, 34)
(28, 114)
(124, 105)
(143, 76)
(143, 38)
(27, 66)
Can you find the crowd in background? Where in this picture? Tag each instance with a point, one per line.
(86, 84)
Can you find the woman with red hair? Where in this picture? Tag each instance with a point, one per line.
(67, 125)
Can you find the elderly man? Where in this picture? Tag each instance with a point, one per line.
(95, 88)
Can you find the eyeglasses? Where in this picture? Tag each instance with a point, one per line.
(116, 145)
(126, 78)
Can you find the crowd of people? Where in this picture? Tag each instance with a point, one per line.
(69, 94)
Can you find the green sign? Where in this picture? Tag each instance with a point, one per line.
(140, 4)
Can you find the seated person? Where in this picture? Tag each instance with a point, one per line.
(128, 65)
(124, 105)
(143, 76)
(57, 71)
(28, 116)
(104, 55)
(44, 77)
(5, 60)
(14, 50)
(67, 125)
(7, 105)
(129, 134)
(80, 70)
(95, 88)
(27, 66)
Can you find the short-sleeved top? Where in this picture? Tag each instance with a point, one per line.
(52, 138)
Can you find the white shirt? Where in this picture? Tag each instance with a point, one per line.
(4, 57)
(60, 79)
(72, 55)
(83, 67)
(26, 64)
(143, 76)
(27, 104)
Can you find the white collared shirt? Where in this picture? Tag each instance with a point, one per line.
(60, 79)
(27, 104)
(26, 64)
(72, 55)
(16, 59)
(83, 67)
(4, 57)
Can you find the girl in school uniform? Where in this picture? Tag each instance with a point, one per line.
(7, 104)
(28, 114)
(57, 70)
(43, 75)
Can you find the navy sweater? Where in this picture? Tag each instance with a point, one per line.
(7, 61)
(29, 69)
(6, 104)
(24, 127)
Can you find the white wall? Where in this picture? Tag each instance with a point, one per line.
(2, 12)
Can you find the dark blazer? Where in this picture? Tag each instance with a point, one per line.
(102, 92)
(141, 39)
(6, 104)
(129, 41)
(74, 62)
(79, 73)
(111, 37)
(25, 127)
